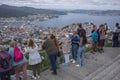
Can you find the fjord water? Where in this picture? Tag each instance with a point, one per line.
(71, 18)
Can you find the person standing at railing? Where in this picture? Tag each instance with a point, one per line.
(66, 50)
(53, 37)
(52, 52)
(116, 36)
(101, 37)
(18, 65)
(94, 39)
(118, 31)
(75, 44)
(81, 49)
(5, 64)
(34, 58)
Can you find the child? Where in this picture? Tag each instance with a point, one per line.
(34, 58)
(66, 50)
(5, 65)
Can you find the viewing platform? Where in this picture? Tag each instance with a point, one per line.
(98, 66)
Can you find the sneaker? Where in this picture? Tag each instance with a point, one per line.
(73, 61)
(102, 50)
(64, 64)
(38, 76)
(34, 77)
(77, 65)
(54, 73)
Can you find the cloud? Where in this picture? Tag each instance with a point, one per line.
(106, 2)
(85, 4)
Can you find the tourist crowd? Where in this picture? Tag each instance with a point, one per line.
(74, 43)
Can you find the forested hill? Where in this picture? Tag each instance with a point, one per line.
(13, 11)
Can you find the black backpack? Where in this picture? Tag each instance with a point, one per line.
(4, 61)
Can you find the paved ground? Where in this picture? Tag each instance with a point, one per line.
(105, 66)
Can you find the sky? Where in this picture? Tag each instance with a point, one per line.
(67, 4)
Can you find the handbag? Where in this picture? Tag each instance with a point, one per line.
(59, 54)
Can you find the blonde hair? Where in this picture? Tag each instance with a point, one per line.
(2, 48)
(13, 44)
(74, 33)
(30, 43)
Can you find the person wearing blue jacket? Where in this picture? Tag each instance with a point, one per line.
(75, 44)
(20, 65)
(94, 39)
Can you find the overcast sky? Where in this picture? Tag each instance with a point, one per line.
(66, 4)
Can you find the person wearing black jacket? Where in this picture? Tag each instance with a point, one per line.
(116, 36)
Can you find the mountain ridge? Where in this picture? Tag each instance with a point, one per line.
(13, 11)
(97, 12)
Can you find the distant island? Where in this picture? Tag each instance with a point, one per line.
(98, 12)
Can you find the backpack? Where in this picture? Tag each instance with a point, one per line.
(95, 36)
(18, 56)
(4, 60)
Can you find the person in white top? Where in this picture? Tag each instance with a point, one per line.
(66, 50)
(34, 57)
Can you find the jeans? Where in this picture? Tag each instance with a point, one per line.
(24, 70)
(66, 57)
(80, 55)
(53, 59)
(5, 75)
(74, 51)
